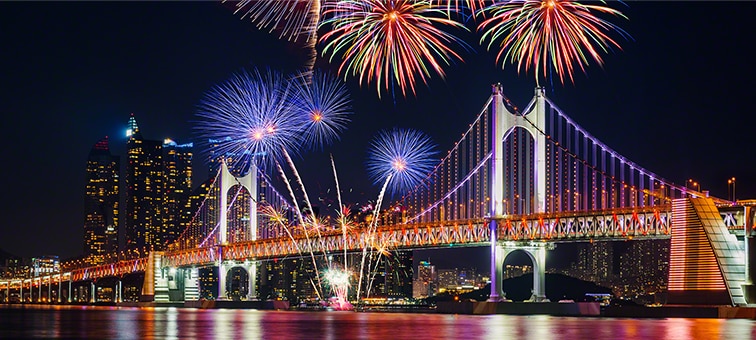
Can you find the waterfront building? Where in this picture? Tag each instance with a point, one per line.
(391, 276)
(447, 279)
(425, 283)
(177, 207)
(144, 191)
(595, 262)
(643, 270)
(208, 282)
(45, 265)
(158, 190)
(287, 279)
(399, 278)
(101, 203)
(512, 271)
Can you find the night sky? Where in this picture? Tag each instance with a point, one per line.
(675, 100)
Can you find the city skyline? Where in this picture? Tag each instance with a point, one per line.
(81, 64)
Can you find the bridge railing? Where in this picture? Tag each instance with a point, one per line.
(610, 224)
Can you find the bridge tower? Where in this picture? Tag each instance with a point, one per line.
(503, 124)
(226, 182)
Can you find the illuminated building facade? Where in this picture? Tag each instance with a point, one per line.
(144, 191)
(425, 284)
(158, 190)
(643, 269)
(177, 207)
(512, 271)
(45, 265)
(595, 262)
(101, 203)
(287, 279)
(399, 275)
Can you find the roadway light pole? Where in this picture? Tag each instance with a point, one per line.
(731, 183)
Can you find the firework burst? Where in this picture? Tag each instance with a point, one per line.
(247, 117)
(389, 42)
(539, 34)
(338, 280)
(466, 7)
(323, 105)
(406, 156)
(294, 19)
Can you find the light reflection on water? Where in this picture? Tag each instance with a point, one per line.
(180, 323)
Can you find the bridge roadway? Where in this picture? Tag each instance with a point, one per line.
(649, 222)
(600, 225)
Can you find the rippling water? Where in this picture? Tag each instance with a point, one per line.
(180, 323)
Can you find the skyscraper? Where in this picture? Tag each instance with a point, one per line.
(101, 199)
(144, 191)
(399, 274)
(177, 207)
(425, 284)
(158, 190)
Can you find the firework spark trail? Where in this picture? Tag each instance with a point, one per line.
(301, 219)
(541, 33)
(390, 42)
(279, 219)
(400, 159)
(322, 107)
(371, 232)
(382, 251)
(338, 280)
(342, 216)
(293, 18)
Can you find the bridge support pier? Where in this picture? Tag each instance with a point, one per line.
(191, 284)
(92, 292)
(249, 266)
(536, 252)
(749, 288)
(118, 292)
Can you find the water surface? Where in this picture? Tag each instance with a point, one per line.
(185, 323)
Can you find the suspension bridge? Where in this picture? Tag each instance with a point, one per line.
(515, 180)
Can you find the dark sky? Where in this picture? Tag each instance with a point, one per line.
(675, 99)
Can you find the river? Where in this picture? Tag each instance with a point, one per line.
(186, 323)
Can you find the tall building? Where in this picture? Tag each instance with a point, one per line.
(643, 268)
(177, 207)
(158, 190)
(101, 200)
(595, 262)
(144, 191)
(448, 278)
(426, 282)
(287, 279)
(399, 274)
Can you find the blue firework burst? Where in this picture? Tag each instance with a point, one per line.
(404, 154)
(323, 105)
(248, 119)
